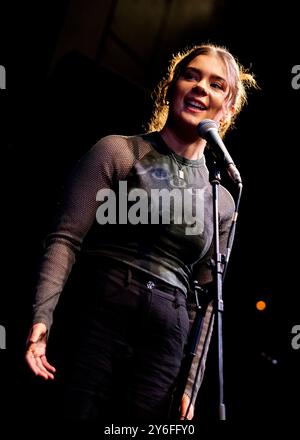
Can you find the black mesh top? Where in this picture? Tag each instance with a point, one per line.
(127, 200)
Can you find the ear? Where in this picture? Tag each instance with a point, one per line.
(228, 114)
(230, 111)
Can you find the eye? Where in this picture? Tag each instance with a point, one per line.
(217, 85)
(190, 75)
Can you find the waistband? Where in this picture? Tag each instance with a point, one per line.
(132, 273)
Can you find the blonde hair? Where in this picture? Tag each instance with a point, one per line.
(239, 79)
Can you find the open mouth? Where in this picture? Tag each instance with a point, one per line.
(195, 105)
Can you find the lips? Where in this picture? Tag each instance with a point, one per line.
(195, 104)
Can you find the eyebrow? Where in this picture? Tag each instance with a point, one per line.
(220, 78)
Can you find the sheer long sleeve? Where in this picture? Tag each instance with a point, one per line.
(107, 160)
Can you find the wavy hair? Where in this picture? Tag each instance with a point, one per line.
(239, 79)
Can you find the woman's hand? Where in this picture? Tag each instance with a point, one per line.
(185, 401)
(36, 352)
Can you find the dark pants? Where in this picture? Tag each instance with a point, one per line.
(130, 349)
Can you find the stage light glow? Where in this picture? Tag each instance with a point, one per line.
(261, 305)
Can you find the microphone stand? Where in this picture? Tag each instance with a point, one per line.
(215, 179)
(216, 266)
(219, 268)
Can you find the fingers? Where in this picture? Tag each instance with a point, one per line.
(47, 374)
(37, 366)
(38, 363)
(36, 349)
(34, 366)
(185, 405)
(189, 416)
(47, 365)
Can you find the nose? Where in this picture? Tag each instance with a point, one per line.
(201, 87)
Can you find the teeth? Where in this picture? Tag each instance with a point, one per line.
(197, 105)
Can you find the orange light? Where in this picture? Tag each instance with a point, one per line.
(261, 305)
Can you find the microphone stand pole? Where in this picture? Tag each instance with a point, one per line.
(219, 267)
(218, 285)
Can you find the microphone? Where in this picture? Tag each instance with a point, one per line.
(208, 130)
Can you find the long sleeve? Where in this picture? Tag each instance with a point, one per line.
(75, 216)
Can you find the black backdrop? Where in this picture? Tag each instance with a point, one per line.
(50, 118)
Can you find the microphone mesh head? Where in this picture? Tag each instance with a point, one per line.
(205, 126)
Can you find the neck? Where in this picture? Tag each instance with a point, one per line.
(190, 149)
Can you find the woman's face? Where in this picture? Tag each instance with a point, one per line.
(200, 92)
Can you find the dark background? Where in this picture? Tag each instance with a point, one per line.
(77, 71)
